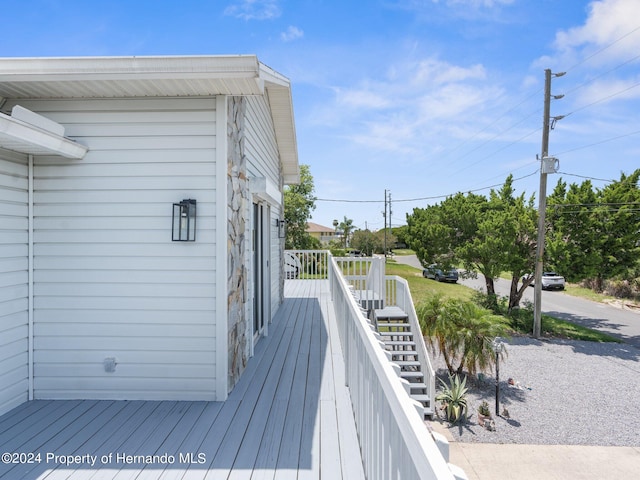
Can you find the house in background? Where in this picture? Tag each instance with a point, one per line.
(141, 199)
(322, 233)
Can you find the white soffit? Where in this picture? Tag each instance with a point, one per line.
(171, 76)
(118, 77)
(281, 103)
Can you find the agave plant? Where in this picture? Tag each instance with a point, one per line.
(454, 398)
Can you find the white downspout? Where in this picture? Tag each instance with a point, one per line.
(30, 268)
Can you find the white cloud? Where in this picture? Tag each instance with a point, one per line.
(476, 11)
(292, 33)
(602, 92)
(435, 72)
(254, 9)
(364, 98)
(414, 102)
(480, 3)
(611, 24)
(420, 4)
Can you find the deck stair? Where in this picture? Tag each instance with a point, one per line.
(392, 324)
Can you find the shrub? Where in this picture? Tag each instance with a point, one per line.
(618, 288)
(520, 319)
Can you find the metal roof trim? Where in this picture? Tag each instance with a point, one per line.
(113, 77)
(102, 67)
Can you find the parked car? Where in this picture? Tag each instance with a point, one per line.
(435, 272)
(550, 281)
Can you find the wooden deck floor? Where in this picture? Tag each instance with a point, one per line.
(289, 417)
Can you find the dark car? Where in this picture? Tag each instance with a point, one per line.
(435, 272)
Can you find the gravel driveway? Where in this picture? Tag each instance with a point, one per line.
(566, 392)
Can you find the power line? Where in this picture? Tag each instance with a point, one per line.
(504, 147)
(599, 211)
(598, 143)
(523, 101)
(460, 145)
(585, 177)
(606, 47)
(603, 74)
(603, 99)
(562, 205)
(492, 124)
(436, 197)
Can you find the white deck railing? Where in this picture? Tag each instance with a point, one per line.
(311, 264)
(398, 294)
(366, 277)
(394, 441)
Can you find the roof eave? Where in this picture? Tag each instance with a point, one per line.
(109, 77)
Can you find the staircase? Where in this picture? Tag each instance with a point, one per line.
(392, 323)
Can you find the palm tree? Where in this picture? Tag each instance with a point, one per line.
(346, 226)
(462, 332)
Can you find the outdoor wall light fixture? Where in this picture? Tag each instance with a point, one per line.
(498, 347)
(282, 228)
(184, 221)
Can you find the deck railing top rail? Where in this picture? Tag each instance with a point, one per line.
(394, 441)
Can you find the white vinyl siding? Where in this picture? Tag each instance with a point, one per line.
(14, 280)
(263, 161)
(109, 282)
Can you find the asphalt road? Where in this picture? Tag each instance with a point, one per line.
(619, 322)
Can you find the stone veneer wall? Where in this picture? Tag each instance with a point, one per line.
(237, 211)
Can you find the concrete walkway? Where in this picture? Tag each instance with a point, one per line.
(489, 461)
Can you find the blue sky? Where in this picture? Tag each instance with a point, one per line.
(424, 98)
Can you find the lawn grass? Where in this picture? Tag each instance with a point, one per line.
(570, 288)
(586, 293)
(422, 288)
(403, 251)
(555, 327)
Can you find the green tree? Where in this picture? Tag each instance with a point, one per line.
(518, 230)
(299, 201)
(437, 232)
(571, 243)
(619, 234)
(595, 235)
(391, 240)
(365, 241)
(487, 236)
(401, 234)
(430, 236)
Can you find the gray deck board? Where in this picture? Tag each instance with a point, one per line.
(263, 439)
(289, 416)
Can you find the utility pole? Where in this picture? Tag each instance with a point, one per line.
(385, 225)
(542, 201)
(389, 224)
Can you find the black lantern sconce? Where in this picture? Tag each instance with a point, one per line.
(184, 221)
(282, 228)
